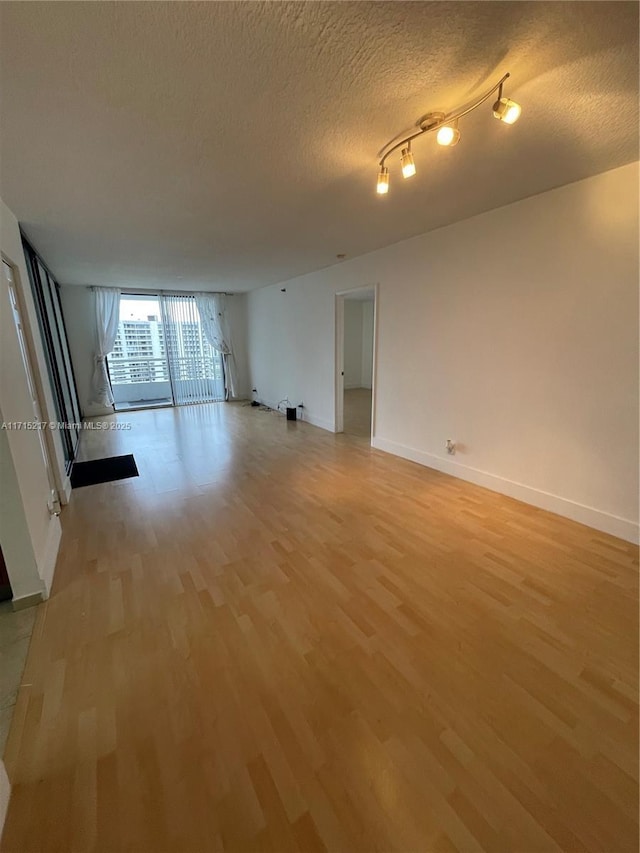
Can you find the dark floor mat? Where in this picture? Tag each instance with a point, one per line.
(103, 470)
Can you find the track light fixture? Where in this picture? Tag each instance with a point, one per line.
(445, 125)
(406, 162)
(506, 110)
(448, 134)
(383, 181)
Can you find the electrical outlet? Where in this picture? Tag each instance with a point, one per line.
(451, 447)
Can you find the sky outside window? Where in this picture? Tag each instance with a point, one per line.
(138, 309)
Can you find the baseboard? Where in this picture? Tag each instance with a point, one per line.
(270, 405)
(603, 521)
(317, 422)
(5, 793)
(93, 411)
(304, 416)
(65, 497)
(25, 601)
(48, 567)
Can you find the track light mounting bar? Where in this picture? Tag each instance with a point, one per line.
(434, 121)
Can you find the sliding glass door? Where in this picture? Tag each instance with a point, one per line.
(46, 295)
(195, 368)
(161, 357)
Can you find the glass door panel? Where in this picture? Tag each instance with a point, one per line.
(56, 348)
(196, 369)
(138, 365)
(67, 406)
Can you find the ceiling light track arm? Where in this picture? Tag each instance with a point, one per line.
(444, 119)
(459, 114)
(403, 144)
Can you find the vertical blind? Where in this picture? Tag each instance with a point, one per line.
(195, 367)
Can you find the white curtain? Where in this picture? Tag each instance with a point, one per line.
(211, 308)
(107, 302)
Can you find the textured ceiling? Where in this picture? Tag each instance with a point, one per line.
(232, 145)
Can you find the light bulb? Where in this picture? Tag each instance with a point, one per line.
(383, 181)
(448, 134)
(507, 111)
(406, 161)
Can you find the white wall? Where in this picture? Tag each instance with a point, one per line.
(291, 346)
(79, 316)
(353, 343)
(513, 332)
(24, 456)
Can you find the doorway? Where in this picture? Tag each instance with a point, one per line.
(355, 347)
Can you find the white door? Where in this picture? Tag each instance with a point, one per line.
(7, 274)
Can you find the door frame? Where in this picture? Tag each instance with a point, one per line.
(338, 422)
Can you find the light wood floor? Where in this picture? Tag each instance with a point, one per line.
(357, 412)
(279, 639)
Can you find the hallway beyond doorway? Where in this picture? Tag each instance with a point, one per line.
(357, 412)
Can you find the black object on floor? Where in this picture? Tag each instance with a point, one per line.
(291, 414)
(103, 470)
